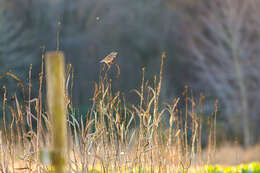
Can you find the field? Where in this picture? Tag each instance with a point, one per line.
(114, 135)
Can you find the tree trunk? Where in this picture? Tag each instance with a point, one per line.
(245, 117)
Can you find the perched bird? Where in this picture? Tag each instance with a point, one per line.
(109, 59)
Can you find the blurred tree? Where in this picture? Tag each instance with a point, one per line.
(14, 44)
(225, 46)
(23, 31)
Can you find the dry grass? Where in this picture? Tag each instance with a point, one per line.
(112, 135)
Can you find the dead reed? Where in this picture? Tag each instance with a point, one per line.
(112, 136)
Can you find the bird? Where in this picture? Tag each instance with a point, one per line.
(109, 59)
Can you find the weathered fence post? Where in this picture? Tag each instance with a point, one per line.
(55, 71)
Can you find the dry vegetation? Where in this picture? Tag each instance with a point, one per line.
(113, 135)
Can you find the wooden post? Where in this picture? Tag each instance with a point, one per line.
(57, 109)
